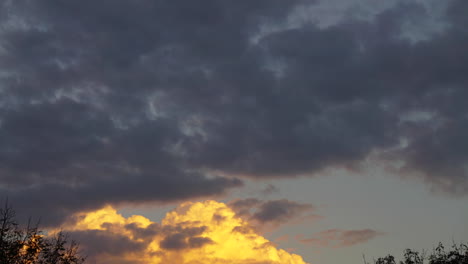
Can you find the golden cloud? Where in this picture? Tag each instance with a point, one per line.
(194, 233)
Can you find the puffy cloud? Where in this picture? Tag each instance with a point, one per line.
(202, 232)
(341, 238)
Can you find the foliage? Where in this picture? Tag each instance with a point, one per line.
(458, 254)
(29, 245)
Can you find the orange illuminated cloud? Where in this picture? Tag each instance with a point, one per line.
(194, 233)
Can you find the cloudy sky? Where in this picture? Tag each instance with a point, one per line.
(313, 131)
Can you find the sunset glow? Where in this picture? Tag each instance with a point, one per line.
(328, 129)
(202, 232)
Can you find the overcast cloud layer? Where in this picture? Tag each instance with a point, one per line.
(137, 101)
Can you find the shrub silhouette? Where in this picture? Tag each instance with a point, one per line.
(457, 254)
(28, 245)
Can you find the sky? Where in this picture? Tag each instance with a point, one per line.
(237, 132)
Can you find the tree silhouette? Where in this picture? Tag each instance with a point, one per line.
(28, 245)
(458, 254)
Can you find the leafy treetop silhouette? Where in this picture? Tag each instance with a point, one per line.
(28, 245)
(457, 254)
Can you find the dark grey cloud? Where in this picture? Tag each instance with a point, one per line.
(118, 101)
(279, 210)
(261, 213)
(269, 189)
(341, 238)
(174, 238)
(113, 241)
(144, 233)
(180, 241)
(96, 242)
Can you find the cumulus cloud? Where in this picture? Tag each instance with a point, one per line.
(341, 238)
(143, 101)
(203, 232)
